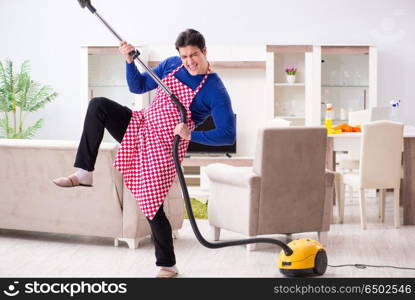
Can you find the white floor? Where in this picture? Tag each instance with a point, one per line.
(32, 254)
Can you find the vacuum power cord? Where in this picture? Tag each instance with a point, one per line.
(364, 266)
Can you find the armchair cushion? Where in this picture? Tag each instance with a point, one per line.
(238, 176)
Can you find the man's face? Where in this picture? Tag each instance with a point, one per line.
(194, 59)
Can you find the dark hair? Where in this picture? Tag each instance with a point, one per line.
(190, 37)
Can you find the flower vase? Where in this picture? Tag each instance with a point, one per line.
(290, 79)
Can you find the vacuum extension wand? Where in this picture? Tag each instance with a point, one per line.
(135, 55)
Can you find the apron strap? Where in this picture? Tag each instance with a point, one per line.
(177, 69)
(201, 83)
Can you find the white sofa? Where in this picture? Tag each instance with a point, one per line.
(30, 201)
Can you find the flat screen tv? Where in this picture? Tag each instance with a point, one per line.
(207, 125)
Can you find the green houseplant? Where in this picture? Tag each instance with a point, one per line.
(19, 95)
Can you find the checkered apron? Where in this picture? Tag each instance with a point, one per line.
(145, 157)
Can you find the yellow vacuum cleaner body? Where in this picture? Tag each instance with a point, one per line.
(309, 258)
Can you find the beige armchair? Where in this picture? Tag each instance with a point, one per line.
(286, 191)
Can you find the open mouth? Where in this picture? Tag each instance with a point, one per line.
(192, 68)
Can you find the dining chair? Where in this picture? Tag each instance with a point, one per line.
(351, 161)
(380, 166)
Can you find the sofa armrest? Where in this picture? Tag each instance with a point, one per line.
(226, 174)
(234, 195)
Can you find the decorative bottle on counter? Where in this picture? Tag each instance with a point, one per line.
(328, 120)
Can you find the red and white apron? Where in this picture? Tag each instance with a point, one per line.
(145, 157)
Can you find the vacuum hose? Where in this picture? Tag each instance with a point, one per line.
(287, 250)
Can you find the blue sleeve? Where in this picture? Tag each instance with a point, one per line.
(224, 119)
(140, 83)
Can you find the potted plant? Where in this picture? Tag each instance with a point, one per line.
(290, 74)
(19, 94)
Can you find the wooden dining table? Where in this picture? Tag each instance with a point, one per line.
(351, 142)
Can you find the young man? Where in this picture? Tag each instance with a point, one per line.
(146, 136)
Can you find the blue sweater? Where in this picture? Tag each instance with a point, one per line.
(212, 99)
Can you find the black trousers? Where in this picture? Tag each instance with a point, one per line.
(104, 114)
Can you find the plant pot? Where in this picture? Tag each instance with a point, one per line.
(290, 79)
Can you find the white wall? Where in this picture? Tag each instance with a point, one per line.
(50, 33)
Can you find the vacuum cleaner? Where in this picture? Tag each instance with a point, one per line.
(302, 257)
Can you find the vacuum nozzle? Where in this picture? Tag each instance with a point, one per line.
(87, 3)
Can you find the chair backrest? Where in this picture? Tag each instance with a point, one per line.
(380, 113)
(291, 163)
(359, 117)
(381, 154)
(277, 122)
